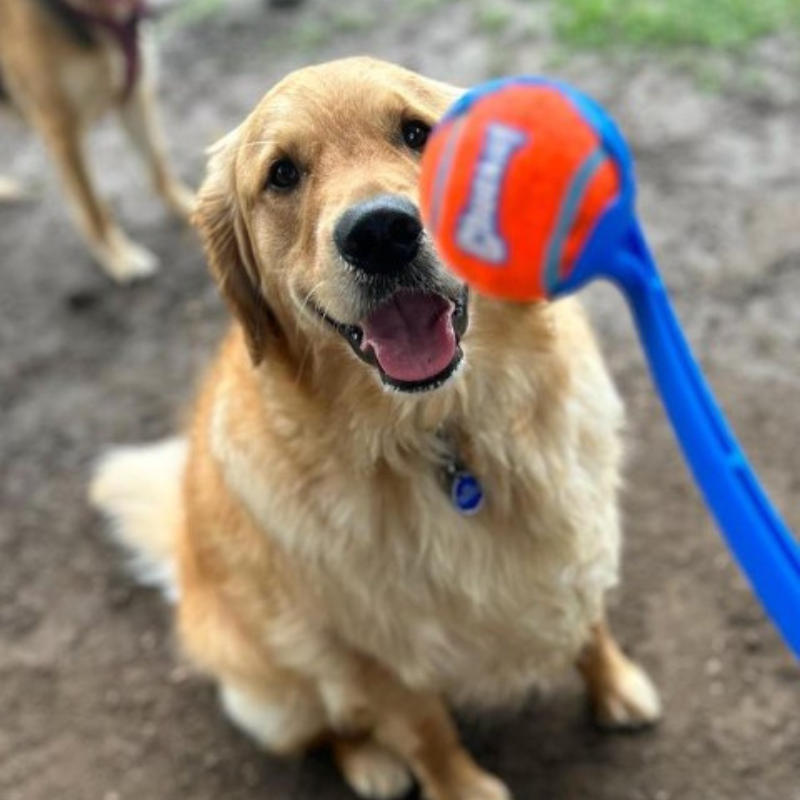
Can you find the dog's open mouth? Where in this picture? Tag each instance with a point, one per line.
(413, 339)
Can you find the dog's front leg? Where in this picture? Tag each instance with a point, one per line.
(422, 732)
(139, 117)
(404, 727)
(622, 695)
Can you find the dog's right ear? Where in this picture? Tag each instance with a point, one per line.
(227, 243)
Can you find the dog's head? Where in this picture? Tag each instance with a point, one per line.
(311, 222)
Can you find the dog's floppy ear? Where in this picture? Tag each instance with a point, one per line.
(227, 242)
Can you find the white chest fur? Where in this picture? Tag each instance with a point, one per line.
(478, 608)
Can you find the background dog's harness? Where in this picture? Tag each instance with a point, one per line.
(81, 26)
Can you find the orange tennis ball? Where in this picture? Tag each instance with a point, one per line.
(512, 185)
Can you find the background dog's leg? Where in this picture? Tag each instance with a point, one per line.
(621, 693)
(140, 119)
(120, 257)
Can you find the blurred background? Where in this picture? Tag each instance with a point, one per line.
(95, 704)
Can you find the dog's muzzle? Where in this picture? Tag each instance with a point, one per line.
(413, 330)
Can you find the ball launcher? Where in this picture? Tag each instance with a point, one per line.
(528, 189)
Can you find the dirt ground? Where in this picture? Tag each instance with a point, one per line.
(94, 702)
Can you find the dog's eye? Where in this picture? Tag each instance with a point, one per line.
(283, 174)
(415, 134)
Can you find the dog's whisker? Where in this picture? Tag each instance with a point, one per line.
(309, 296)
(304, 307)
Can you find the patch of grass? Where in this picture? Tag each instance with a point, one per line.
(716, 24)
(710, 76)
(421, 6)
(189, 12)
(493, 20)
(353, 21)
(310, 35)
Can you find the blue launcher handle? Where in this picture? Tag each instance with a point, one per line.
(762, 544)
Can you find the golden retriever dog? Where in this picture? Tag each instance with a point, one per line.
(329, 571)
(65, 63)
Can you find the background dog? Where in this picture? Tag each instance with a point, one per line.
(64, 63)
(323, 574)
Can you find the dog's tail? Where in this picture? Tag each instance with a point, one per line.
(139, 490)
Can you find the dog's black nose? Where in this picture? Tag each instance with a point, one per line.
(380, 235)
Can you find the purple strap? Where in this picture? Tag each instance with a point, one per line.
(126, 34)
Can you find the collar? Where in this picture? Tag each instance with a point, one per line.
(125, 32)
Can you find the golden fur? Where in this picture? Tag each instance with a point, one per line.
(325, 580)
(61, 86)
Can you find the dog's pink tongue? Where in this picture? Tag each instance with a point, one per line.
(412, 335)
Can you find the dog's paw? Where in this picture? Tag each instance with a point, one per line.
(373, 772)
(629, 701)
(125, 261)
(463, 779)
(487, 788)
(481, 786)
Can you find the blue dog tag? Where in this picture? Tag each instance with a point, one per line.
(466, 493)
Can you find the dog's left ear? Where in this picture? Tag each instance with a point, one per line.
(227, 243)
(434, 97)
